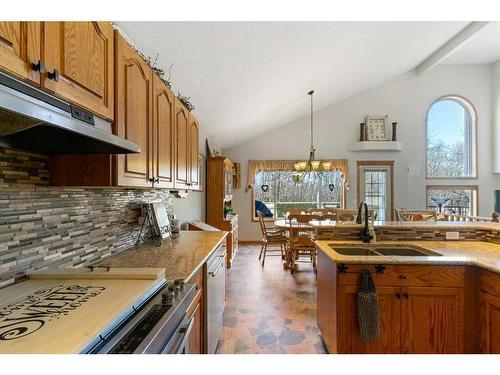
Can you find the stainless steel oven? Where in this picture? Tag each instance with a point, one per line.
(215, 296)
(160, 326)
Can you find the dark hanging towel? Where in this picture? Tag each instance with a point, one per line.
(368, 308)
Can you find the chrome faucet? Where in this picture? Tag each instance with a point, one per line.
(366, 236)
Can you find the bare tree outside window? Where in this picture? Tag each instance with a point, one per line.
(278, 192)
(450, 143)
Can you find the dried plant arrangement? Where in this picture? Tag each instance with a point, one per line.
(185, 100)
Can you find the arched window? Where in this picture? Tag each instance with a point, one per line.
(450, 139)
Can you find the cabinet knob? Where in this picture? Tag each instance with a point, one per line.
(38, 67)
(405, 295)
(398, 296)
(53, 75)
(402, 277)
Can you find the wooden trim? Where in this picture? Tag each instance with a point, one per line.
(472, 111)
(386, 163)
(475, 205)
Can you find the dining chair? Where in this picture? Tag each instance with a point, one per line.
(301, 242)
(403, 214)
(350, 215)
(271, 236)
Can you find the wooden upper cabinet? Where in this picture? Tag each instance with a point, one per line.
(181, 121)
(78, 59)
(163, 125)
(193, 152)
(20, 47)
(433, 320)
(133, 116)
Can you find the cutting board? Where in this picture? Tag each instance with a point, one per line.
(100, 273)
(66, 314)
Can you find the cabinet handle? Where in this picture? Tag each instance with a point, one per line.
(53, 75)
(38, 67)
(402, 277)
(398, 296)
(405, 295)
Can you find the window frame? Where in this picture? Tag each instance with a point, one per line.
(467, 104)
(475, 203)
(272, 219)
(385, 163)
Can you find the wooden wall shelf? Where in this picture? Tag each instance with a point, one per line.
(375, 146)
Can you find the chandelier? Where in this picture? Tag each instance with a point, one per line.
(312, 164)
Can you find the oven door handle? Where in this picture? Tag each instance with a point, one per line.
(219, 266)
(184, 333)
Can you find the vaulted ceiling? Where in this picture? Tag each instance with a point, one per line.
(247, 78)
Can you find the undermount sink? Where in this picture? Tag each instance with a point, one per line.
(355, 251)
(405, 251)
(382, 250)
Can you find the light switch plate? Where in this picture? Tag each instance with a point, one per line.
(452, 235)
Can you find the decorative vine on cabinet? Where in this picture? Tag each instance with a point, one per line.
(148, 114)
(73, 60)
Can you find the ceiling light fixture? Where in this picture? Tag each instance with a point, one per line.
(311, 165)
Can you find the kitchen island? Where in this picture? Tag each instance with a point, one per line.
(443, 298)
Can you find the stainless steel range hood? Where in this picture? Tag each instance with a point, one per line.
(32, 120)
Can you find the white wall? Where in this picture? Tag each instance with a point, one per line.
(495, 103)
(406, 100)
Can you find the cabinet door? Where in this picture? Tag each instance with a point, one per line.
(349, 339)
(20, 46)
(193, 153)
(195, 339)
(432, 320)
(163, 124)
(490, 323)
(181, 121)
(82, 55)
(133, 115)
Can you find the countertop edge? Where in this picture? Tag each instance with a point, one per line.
(202, 262)
(443, 260)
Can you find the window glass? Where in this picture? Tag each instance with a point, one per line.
(275, 192)
(457, 200)
(450, 139)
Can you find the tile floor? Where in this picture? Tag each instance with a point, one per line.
(268, 309)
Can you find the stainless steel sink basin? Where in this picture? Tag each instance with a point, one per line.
(355, 251)
(382, 250)
(405, 251)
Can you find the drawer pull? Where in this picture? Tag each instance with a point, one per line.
(53, 75)
(38, 67)
(402, 277)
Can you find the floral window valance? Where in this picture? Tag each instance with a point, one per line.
(255, 166)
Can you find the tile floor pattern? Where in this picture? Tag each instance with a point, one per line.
(269, 310)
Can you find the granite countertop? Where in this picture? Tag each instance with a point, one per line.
(485, 225)
(180, 257)
(482, 254)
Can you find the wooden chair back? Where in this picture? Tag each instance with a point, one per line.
(350, 215)
(262, 224)
(403, 214)
(320, 211)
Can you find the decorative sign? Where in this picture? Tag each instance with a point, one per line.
(44, 305)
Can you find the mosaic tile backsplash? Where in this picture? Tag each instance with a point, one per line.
(42, 226)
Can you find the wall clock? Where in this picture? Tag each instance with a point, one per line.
(376, 128)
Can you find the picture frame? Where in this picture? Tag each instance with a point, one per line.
(376, 128)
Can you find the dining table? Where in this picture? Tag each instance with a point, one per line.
(286, 225)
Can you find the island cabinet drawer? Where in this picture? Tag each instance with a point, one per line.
(404, 275)
(490, 282)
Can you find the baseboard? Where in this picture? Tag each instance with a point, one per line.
(249, 242)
